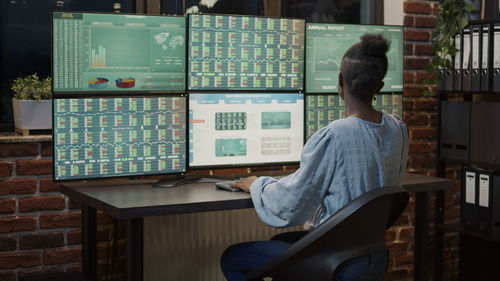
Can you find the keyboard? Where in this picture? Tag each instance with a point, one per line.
(226, 185)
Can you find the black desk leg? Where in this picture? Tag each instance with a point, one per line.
(421, 236)
(135, 248)
(438, 236)
(89, 242)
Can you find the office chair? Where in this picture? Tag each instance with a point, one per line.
(357, 229)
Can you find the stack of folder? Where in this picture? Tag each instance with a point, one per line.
(476, 66)
(480, 201)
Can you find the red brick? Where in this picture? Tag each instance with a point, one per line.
(416, 119)
(7, 206)
(402, 220)
(407, 105)
(423, 50)
(18, 186)
(47, 149)
(403, 260)
(417, 161)
(7, 276)
(417, 7)
(6, 169)
(413, 90)
(407, 233)
(41, 240)
(41, 203)
(423, 133)
(417, 35)
(423, 21)
(63, 256)
(8, 243)
(409, 20)
(409, 77)
(60, 220)
(33, 167)
(418, 148)
(74, 237)
(8, 261)
(426, 105)
(397, 247)
(16, 224)
(416, 63)
(48, 185)
(408, 49)
(435, 10)
(18, 149)
(421, 76)
(103, 218)
(390, 234)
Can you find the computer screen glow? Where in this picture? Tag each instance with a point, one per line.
(107, 137)
(325, 48)
(245, 53)
(245, 128)
(118, 53)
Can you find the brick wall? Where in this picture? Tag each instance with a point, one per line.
(421, 118)
(40, 229)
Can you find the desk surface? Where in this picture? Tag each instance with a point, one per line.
(125, 199)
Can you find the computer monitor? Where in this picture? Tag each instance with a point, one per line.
(327, 43)
(119, 136)
(245, 129)
(118, 53)
(245, 53)
(323, 109)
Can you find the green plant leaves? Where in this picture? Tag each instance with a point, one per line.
(32, 88)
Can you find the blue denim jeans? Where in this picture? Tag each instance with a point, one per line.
(240, 259)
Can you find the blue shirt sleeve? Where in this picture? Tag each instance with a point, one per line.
(293, 199)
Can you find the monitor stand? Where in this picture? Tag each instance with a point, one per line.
(175, 181)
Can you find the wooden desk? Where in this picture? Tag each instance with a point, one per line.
(133, 200)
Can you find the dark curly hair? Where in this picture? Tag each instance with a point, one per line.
(364, 66)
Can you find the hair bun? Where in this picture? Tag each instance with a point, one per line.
(374, 44)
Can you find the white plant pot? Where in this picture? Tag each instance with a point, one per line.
(32, 115)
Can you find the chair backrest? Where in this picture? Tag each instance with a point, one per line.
(355, 230)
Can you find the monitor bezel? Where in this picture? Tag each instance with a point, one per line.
(188, 16)
(61, 94)
(129, 176)
(350, 24)
(243, 165)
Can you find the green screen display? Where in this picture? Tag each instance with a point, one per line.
(118, 53)
(245, 53)
(321, 110)
(327, 43)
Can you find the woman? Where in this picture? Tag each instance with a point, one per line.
(347, 158)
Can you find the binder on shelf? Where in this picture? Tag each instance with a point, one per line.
(486, 59)
(496, 59)
(457, 63)
(446, 75)
(466, 60)
(484, 199)
(495, 231)
(468, 204)
(475, 57)
(455, 130)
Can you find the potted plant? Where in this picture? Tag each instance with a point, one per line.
(32, 103)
